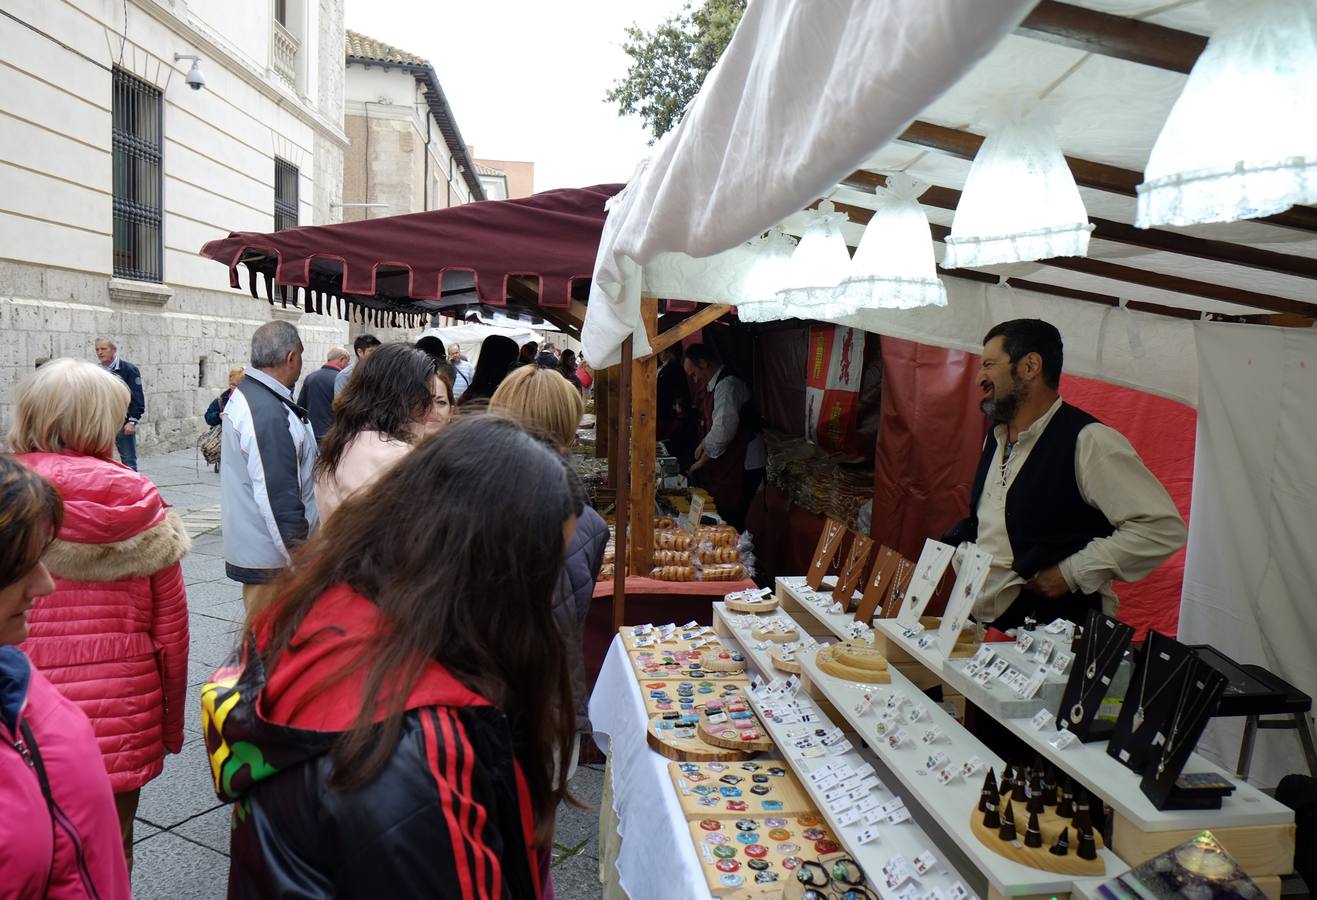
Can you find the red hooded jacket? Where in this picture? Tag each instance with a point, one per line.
(114, 636)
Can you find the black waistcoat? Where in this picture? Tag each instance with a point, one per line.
(1047, 518)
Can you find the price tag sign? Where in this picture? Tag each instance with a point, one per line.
(694, 513)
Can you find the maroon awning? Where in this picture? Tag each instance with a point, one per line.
(398, 263)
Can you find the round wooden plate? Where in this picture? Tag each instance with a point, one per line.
(767, 605)
(689, 749)
(776, 635)
(854, 661)
(1050, 825)
(730, 737)
(790, 666)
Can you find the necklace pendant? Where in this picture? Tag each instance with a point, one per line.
(1138, 718)
(1091, 672)
(1161, 766)
(1077, 713)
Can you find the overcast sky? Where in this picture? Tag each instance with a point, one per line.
(526, 78)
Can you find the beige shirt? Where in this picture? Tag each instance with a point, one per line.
(367, 456)
(1111, 478)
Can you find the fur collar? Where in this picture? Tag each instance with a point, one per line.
(144, 554)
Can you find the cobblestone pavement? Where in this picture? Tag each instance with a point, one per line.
(182, 831)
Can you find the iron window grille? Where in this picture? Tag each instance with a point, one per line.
(285, 195)
(137, 129)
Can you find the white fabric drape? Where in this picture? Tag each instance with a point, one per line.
(805, 93)
(1251, 568)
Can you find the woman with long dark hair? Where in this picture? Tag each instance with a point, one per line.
(397, 397)
(415, 709)
(498, 354)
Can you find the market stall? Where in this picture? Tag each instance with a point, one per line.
(1183, 276)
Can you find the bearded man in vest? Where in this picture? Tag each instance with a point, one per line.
(1062, 502)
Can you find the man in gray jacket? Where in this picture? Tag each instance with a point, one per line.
(268, 456)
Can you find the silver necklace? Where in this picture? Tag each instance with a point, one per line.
(1090, 675)
(1175, 742)
(824, 558)
(1143, 684)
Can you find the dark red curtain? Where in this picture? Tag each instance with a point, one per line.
(931, 437)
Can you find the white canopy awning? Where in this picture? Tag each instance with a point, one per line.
(815, 100)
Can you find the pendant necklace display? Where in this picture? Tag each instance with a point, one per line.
(834, 528)
(1139, 710)
(898, 592)
(1090, 672)
(1183, 715)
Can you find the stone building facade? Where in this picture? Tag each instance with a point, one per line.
(114, 173)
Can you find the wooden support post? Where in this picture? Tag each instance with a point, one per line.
(622, 485)
(603, 417)
(644, 403)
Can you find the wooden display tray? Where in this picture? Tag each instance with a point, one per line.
(680, 668)
(728, 736)
(1050, 825)
(762, 605)
(833, 660)
(1260, 850)
(782, 788)
(735, 687)
(791, 666)
(805, 848)
(687, 749)
(677, 644)
(775, 635)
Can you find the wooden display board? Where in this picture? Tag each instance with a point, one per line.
(825, 554)
(685, 745)
(758, 605)
(679, 642)
(854, 660)
(1050, 825)
(802, 837)
(852, 571)
(775, 634)
(731, 736)
(681, 665)
(879, 584)
(764, 787)
(664, 696)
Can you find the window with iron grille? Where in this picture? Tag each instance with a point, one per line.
(137, 129)
(285, 195)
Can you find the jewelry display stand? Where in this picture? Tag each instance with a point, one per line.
(825, 554)
(854, 660)
(764, 787)
(683, 744)
(1098, 652)
(1050, 825)
(891, 605)
(879, 584)
(852, 571)
(1178, 735)
(1150, 700)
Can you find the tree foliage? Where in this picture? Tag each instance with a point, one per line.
(669, 64)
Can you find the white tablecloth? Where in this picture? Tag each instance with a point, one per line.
(657, 858)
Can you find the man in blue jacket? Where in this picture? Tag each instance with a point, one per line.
(126, 441)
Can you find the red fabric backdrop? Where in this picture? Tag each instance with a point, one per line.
(932, 435)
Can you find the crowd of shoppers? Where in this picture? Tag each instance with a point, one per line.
(392, 681)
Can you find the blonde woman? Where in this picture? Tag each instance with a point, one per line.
(113, 636)
(545, 402)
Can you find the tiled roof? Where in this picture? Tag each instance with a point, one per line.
(359, 46)
(482, 169)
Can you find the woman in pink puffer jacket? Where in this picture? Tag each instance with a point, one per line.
(113, 637)
(58, 834)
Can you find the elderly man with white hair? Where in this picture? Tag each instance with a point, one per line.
(267, 463)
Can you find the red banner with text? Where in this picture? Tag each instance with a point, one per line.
(832, 386)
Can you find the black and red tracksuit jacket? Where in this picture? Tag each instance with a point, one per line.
(447, 817)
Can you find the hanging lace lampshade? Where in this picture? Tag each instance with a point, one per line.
(1020, 201)
(894, 265)
(1241, 141)
(767, 274)
(819, 263)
